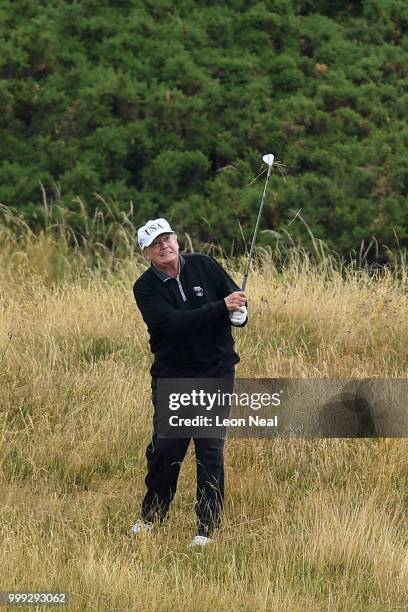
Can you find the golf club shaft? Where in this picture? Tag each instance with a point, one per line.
(248, 265)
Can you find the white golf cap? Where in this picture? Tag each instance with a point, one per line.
(153, 228)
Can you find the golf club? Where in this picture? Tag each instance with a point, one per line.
(268, 159)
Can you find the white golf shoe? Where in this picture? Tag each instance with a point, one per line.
(140, 527)
(200, 540)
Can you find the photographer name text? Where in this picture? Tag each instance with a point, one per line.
(217, 421)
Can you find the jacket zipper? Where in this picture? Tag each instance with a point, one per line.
(181, 288)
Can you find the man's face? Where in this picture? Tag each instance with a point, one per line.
(163, 251)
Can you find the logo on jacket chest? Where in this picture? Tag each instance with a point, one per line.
(198, 291)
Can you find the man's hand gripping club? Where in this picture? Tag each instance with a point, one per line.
(235, 302)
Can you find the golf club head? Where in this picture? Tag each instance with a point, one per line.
(268, 159)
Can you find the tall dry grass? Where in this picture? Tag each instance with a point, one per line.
(308, 525)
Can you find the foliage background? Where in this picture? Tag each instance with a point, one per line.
(165, 108)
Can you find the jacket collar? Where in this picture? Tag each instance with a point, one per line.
(162, 275)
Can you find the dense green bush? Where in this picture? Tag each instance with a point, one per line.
(170, 105)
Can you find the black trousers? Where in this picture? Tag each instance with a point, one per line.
(164, 458)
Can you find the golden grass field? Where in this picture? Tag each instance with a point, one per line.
(309, 524)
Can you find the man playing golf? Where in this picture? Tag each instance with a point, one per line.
(188, 303)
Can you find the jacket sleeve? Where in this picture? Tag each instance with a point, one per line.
(161, 317)
(226, 285)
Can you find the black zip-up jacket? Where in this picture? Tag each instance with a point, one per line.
(186, 317)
